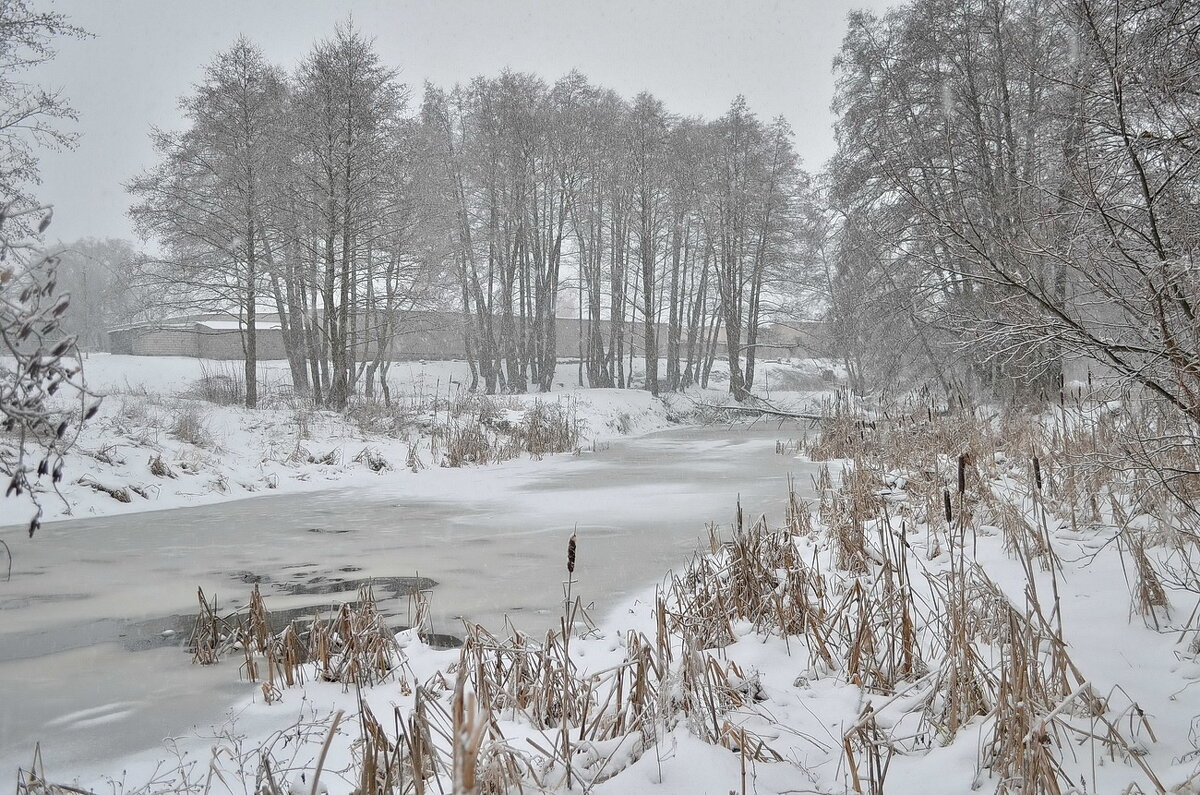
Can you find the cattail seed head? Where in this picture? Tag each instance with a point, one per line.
(946, 504)
(571, 555)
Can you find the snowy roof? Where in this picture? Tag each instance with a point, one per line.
(233, 325)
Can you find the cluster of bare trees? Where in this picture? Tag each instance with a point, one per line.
(294, 192)
(671, 229)
(1016, 180)
(321, 195)
(95, 272)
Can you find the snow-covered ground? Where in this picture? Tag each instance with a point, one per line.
(88, 594)
(235, 499)
(1032, 643)
(154, 412)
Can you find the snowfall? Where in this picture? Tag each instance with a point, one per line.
(166, 493)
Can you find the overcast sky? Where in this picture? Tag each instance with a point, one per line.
(696, 56)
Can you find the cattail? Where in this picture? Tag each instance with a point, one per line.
(946, 505)
(962, 473)
(571, 555)
(1037, 473)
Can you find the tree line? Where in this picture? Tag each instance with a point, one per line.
(1013, 197)
(1015, 185)
(337, 199)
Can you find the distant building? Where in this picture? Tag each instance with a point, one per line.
(422, 335)
(802, 339)
(201, 336)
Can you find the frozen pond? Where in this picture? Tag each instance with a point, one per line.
(82, 658)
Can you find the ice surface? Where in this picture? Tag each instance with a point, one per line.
(494, 539)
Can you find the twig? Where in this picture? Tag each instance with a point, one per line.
(337, 718)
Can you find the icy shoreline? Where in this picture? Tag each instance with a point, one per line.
(155, 445)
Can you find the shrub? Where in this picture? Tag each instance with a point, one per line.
(223, 384)
(190, 424)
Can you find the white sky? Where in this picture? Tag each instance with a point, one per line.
(695, 56)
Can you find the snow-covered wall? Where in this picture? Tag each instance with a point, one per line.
(423, 335)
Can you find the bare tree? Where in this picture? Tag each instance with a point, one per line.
(1021, 176)
(755, 180)
(30, 114)
(96, 274)
(35, 420)
(207, 200)
(346, 116)
(648, 140)
(324, 197)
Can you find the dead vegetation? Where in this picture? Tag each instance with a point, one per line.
(475, 429)
(184, 434)
(458, 428)
(874, 584)
(351, 643)
(918, 480)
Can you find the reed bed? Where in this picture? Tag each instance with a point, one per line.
(466, 429)
(354, 646)
(934, 632)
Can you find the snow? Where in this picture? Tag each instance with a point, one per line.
(638, 493)
(235, 325)
(506, 525)
(229, 452)
(802, 715)
(79, 582)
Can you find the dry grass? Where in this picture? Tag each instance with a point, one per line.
(927, 632)
(470, 429)
(986, 656)
(353, 646)
(190, 424)
(222, 383)
(874, 584)
(482, 430)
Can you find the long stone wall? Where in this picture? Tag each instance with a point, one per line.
(197, 341)
(165, 342)
(423, 335)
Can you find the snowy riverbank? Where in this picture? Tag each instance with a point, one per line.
(865, 637)
(160, 441)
